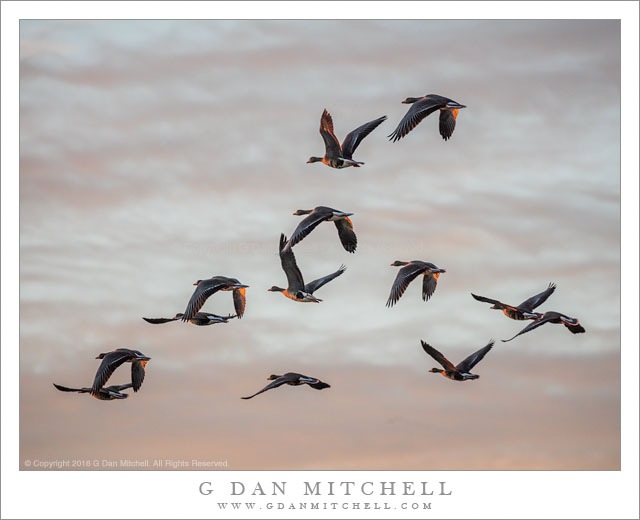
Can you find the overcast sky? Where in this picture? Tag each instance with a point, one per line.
(154, 154)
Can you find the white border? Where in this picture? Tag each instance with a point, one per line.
(174, 494)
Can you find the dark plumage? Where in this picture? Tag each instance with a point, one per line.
(421, 108)
(107, 393)
(297, 290)
(338, 156)
(552, 317)
(324, 214)
(201, 318)
(112, 360)
(206, 288)
(293, 379)
(461, 372)
(408, 273)
(524, 311)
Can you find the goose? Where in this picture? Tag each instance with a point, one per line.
(297, 290)
(321, 214)
(460, 372)
(107, 393)
(552, 317)
(408, 273)
(524, 311)
(206, 288)
(420, 108)
(338, 156)
(201, 318)
(293, 379)
(115, 358)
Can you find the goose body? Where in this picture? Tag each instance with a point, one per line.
(552, 317)
(112, 360)
(421, 107)
(524, 311)
(297, 290)
(324, 214)
(206, 288)
(107, 393)
(337, 155)
(200, 318)
(461, 371)
(293, 379)
(409, 272)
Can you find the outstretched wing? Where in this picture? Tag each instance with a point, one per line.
(405, 276)
(204, 289)
(311, 287)
(346, 234)
(137, 373)
(531, 326)
(67, 389)
(499, 304)
(418, 111)
(159, 320)
(448, 122)
(120, 388)
(331, 143)
(354, 138)
(306, 226)
(274, 384)
(108, 366)
(290, 267)
(446, 364)
(538, 299)
(239, 301)
(429, 285)
(468, 363)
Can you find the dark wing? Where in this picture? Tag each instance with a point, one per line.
(572, 324)
(429, 285)
(475, 358)
(538, 299)
(159, 320)
(531, 326)
(516, 312)
(120, 388)
(405, 276)
(494, 302)
(448, 122)
(311, 287)
(66, 389)
(274, 384)
(446, 364)
(354, 138)
(306, 226)
(418, 111)
(290, 267)
(331, 144)
(204, 289)
(108, 366)
(346, 234)
(137, 373)
(319, 385)
(239, 301)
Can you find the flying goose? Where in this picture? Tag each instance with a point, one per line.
(421, 107)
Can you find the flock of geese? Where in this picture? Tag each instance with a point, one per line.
(336, 156)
